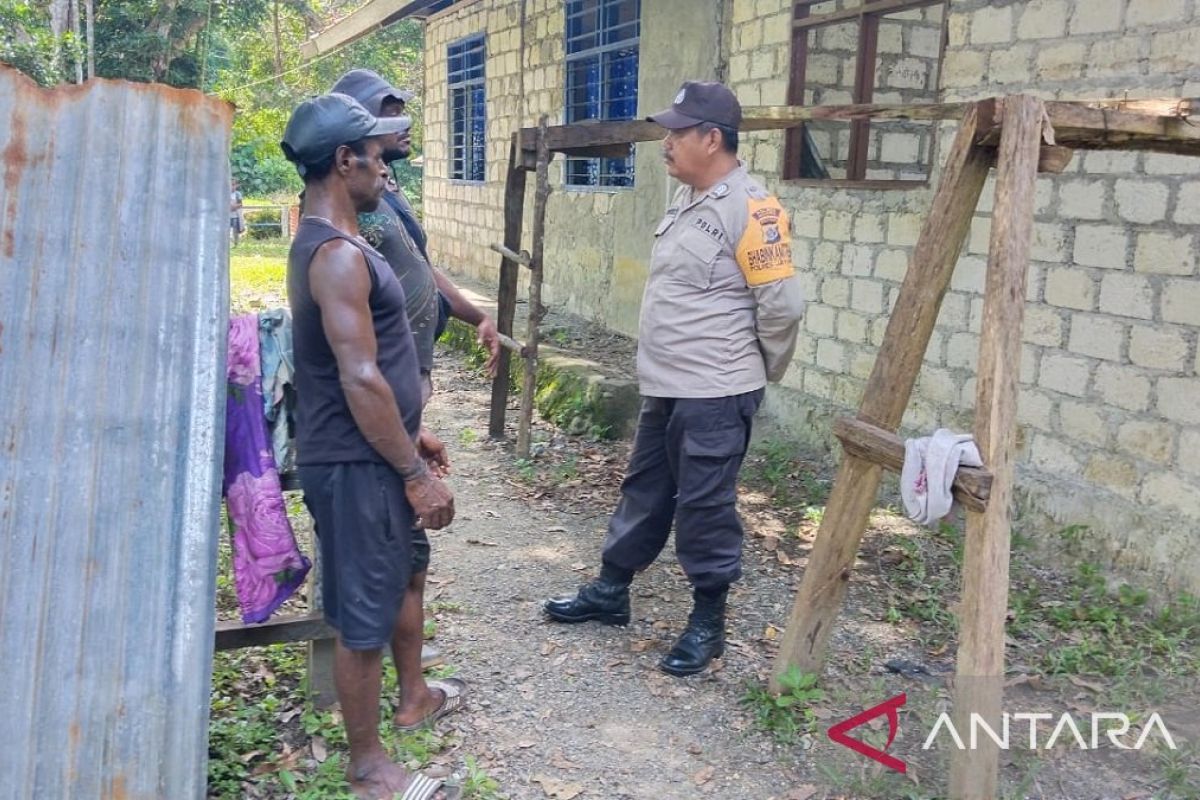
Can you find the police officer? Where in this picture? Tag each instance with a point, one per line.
(719, 319)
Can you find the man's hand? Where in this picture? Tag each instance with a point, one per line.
(432, 501)
(430, 448)
(489, 337)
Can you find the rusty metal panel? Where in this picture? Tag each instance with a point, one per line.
(114, 209)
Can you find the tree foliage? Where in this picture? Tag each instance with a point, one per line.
(246, 51)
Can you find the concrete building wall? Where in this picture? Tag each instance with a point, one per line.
(906, 71)
(598, 242)
(1110, 399)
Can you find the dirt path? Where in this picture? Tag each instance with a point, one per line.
(564, 711)
(581, 711)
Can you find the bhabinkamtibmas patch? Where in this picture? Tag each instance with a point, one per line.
(765, 250)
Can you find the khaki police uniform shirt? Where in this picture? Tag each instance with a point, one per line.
(723, 303)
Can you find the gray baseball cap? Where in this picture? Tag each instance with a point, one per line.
(701, 101)
(371, 89)
(320, 125)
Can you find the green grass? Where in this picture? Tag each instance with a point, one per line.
(772, 466)
(789, 715)
(257, 274)
(261, 730)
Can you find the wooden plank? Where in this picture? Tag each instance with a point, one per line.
(363, 21)
(869, 7)
(793, 143)
(536, 310)
(560, 138)
(521, 258)
(1085, 128)
(1053, 159)
(322, 691)
(979, 679)
(1163, 107)
(864, 92)
(295, 628)
(873, 185)
(888, 389)
(753, 116)
(506, 297)
(972, 485)
(512, 344)
(598, 151)
(1076, 124)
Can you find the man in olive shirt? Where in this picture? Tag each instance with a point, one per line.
(719, 319)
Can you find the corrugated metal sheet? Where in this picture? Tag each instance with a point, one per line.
(113, 307)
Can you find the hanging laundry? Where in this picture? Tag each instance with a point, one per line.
(275, 347)
(930, 464)
(267, 565)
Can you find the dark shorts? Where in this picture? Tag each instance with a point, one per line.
(369, 547)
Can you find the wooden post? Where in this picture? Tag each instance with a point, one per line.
(885, 398)
(979, 681)
(536, 311)
(506, 298)
(321, 690)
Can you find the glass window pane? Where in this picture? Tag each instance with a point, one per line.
(468, 108)
(603, 83)
(582, 25)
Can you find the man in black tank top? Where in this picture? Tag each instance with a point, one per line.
(368, 469)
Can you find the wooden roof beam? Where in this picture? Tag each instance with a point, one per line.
(373, 16)
(1159, 125)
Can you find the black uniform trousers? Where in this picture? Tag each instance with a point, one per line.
(684, 467)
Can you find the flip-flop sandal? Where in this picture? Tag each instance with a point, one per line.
(454, 697)
(423, 787)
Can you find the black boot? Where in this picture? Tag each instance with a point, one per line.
(702, 640)
(605, 599)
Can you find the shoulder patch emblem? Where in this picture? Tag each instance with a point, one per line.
(764, 252)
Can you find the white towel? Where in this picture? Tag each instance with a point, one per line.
(929, 467)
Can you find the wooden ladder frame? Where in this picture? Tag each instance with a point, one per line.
(1019, 136)
(870, 443)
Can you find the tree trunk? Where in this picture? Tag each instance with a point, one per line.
(91, 38)
(278, 40)
(59, 13)
(75, 29)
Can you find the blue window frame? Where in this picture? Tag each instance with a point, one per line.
(602, 79)
(468, 108)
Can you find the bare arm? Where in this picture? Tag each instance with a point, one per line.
(460, 306)
(341, 286)
(468, 312)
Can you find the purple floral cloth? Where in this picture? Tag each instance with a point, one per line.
(267, 565)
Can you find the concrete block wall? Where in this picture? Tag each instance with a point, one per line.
(1110, 396)
(1109, 414)
(598, 243)
(906, 71)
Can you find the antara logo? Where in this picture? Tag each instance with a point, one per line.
(889, 707)
(1101, 723)
(1114, 726)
